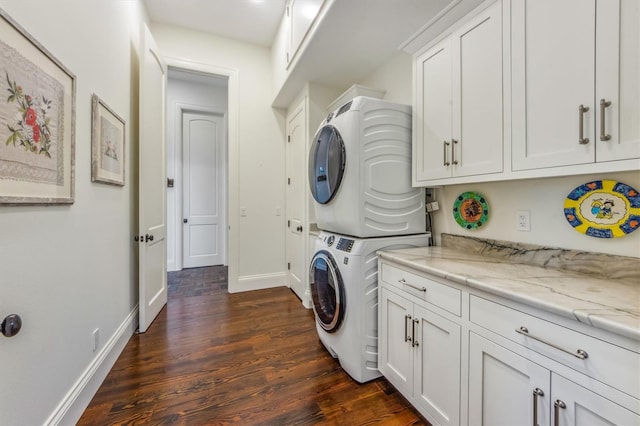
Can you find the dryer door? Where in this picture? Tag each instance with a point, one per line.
(326, 164)
(327, 291)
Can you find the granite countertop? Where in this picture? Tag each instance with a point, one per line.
(611, 304)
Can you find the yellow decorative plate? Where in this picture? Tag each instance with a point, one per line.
(603, 209)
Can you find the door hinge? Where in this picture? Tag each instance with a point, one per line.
(288, 181)
(288, 266)
(288, 224)
(288, 138)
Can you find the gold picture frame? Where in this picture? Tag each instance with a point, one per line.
(37, 121)
(107, 144)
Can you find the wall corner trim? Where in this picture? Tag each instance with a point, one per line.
(79, 396)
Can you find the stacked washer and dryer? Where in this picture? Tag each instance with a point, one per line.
(360, 178)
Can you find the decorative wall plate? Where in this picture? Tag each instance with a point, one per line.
(471, 210)
(603, 209)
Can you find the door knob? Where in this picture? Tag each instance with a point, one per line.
(148, 238)
(11, 325)
(185, 220)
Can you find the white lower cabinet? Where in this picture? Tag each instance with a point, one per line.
(505, 388)
(419, 353)
(462, 356)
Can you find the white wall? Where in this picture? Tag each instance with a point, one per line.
(395, 78)
(543, 198)
(194, 96)
(70, 269)
(261, 146)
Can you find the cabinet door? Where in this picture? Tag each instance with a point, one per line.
(477, 95)
(437, 367)
(432, 144)
(618, 80)
(502, 386)
(576, 405)
(553, 73)
(395, 354)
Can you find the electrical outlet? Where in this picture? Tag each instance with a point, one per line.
(523, 221)
(433, 206)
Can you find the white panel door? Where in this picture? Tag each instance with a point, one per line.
(502, 385)
(296, 159)
(395, 353)
(152, 194)
(477, 95)
(618, 80)
(553, 73)
(437, 366)
(204, 195)
(432, 146)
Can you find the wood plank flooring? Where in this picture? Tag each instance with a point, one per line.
(247, 358)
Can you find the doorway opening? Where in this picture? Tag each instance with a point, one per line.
(197, 169)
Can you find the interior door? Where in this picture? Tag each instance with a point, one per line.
(204, 171)
(152, 195)
(295, 191)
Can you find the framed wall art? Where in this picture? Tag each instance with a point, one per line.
(107, 144)
(37, 121)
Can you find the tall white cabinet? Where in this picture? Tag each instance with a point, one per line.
(575, 82)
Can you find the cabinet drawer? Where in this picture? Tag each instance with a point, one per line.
(440, 295)
(608, 363)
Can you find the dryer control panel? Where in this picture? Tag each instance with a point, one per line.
(345, 244)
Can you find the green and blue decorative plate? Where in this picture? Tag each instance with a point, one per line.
(470, 210)
(603, 209)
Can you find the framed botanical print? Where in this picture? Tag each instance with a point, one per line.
(107, 144)
(37, 121)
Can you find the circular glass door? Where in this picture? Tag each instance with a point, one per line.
(326, 164)
(327, 291)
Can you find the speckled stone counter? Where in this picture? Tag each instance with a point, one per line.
(597, 289)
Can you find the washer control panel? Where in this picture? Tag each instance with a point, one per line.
(345, 244)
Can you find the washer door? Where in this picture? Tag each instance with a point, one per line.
(326, 164)
(327, 291)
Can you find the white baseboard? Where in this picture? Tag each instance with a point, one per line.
(258, 282)
(74, 403)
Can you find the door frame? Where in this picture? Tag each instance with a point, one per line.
(233, 235)
(180, 110)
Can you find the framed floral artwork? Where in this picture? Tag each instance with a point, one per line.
(107, 144)
(37, 121)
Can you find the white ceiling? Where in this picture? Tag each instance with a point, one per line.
(253, 21)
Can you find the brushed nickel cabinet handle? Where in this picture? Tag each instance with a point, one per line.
(404, 282)
(578, 353)
(413, 333)
(603, 106)
(556, 411)
(406, 328)
(581, 139)
(536, 393)
(453, 151)
(444, 153)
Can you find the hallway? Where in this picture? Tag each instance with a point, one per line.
(246, 358)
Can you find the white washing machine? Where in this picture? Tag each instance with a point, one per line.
(360, 171)
(343, 278)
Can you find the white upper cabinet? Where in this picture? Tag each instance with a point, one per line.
(567, 56)
(458, 117)
(618, 80)
(300, 15)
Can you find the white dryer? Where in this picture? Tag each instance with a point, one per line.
(360, 171)
(343, 279)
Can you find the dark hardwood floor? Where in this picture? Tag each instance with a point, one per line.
(247, 358)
